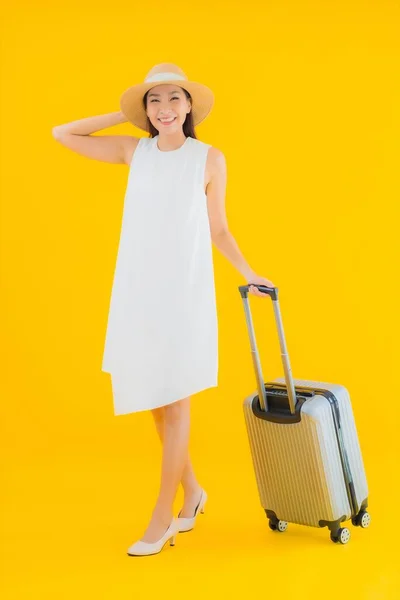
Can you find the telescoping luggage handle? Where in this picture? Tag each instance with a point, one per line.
(273, 293)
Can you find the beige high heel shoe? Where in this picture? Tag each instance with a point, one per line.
(187, 523)
(141, 548)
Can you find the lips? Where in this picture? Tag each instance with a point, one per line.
(167, 122)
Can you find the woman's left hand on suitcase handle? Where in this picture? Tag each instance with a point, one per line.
(259, 281)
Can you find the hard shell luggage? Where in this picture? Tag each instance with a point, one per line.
(304, 446)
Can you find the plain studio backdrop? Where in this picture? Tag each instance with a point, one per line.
(307, 114)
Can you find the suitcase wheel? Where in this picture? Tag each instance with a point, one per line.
(363, 519)
(278, 525)
(342, 536)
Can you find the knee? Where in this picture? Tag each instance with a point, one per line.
(158, 413)
(174, 412)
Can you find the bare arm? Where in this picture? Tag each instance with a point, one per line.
(107, 148)
(220, 234)
(219, 228)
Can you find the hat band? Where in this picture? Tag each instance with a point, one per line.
(164, 77)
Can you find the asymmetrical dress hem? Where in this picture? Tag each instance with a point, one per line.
(184, 394)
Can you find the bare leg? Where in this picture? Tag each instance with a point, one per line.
(191, 486)
(175, 452)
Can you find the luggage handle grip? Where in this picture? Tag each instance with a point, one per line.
(273, 293)
(244, 290)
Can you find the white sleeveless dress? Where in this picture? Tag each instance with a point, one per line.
(161, 341)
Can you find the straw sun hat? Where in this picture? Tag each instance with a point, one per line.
(131, 101)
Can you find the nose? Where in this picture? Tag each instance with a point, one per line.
(164, 108)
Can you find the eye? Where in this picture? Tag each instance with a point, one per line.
(173, 98)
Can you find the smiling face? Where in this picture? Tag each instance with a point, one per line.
(168, 103)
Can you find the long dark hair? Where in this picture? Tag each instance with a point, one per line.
(188, 126)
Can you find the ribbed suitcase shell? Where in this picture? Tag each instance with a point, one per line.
(298, 466)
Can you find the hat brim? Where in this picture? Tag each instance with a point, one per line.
(131, 101)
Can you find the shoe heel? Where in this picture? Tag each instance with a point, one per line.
(172, 540)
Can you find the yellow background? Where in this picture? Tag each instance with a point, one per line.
(307, 115)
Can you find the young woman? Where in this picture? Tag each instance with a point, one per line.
(161, 342)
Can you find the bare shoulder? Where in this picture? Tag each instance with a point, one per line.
(216, 159)
(215, 155)
(129, 144)
(216, 163)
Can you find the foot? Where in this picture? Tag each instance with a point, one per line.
(156, 528)
(190, 503)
